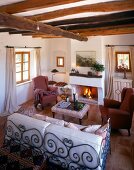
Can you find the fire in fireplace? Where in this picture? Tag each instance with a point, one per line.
(87, 92)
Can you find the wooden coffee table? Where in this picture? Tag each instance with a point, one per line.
(71, 110)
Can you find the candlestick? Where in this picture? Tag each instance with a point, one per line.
(76, 96)
(74, 90)
(74, 99)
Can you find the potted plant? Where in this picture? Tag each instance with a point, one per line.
(97, 67)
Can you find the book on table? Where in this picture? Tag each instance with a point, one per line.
(64, 105)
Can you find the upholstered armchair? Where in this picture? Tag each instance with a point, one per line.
(43, 94)
(120, 113)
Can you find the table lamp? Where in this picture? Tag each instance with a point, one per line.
(54, 71)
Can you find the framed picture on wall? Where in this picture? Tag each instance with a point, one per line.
(85, 58)
(123, 61)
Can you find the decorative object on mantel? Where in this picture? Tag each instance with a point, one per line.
(124, 68)
(73, 70)
(54, 71)
(97, 67)
(85, 75)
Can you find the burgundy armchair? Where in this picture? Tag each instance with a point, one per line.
(120, 113)
(43, 94)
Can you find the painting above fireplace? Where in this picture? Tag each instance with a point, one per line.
(85, 58)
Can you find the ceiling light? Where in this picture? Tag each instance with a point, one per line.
(38, 28)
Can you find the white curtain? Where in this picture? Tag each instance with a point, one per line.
(38, 61)
(132, 62)
(10, 84)
(109, 71)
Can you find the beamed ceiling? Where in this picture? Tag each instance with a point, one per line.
(73, 19)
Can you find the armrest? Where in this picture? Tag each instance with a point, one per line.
(117, 112)
(38, 93)
(111, 103)
(52, 88)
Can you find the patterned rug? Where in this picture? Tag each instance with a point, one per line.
(14, 156)
(29, 109)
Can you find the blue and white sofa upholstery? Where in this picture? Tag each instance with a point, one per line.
(69, 148)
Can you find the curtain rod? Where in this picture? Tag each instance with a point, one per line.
(20, 47)
(118, 45)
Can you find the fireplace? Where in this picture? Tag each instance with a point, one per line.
(89, 90)
(87, 94)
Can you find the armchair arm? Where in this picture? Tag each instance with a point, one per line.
(117, 112)
(53, 88)
(38, 93)
(111, 103)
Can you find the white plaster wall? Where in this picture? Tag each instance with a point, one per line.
(25, 91)
(93, 44)
(59, 47)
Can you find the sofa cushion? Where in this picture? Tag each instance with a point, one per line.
(125, 104)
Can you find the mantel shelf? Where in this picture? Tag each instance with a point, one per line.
(85, 75)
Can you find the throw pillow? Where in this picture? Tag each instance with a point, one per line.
(102, 129)
(91, 128)
(72, 126)
(55, 121)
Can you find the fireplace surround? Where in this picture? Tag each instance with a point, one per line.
(94, 83)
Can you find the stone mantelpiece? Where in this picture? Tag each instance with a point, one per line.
(85, 75)
(93, 82)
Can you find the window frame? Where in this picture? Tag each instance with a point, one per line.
(22, 62)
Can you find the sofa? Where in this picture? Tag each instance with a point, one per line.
(67, 147)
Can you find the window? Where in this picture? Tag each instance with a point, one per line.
(123, 61)
(22, 60)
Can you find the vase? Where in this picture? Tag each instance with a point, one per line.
(98, 73)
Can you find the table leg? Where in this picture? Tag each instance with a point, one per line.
(53, 114)
(80, 121)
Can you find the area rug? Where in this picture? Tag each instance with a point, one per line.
(14, 156)
(28, 109)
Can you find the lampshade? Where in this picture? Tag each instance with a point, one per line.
(54, 71)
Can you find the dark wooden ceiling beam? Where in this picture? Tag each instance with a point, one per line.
(32, 5)
(21, 23)
(19, 32)
(99, 7)
(99, 25)
(95, 19)
(126, 29)
(6, 29)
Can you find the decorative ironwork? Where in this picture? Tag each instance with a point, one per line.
(19, 133)
(65, 153)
